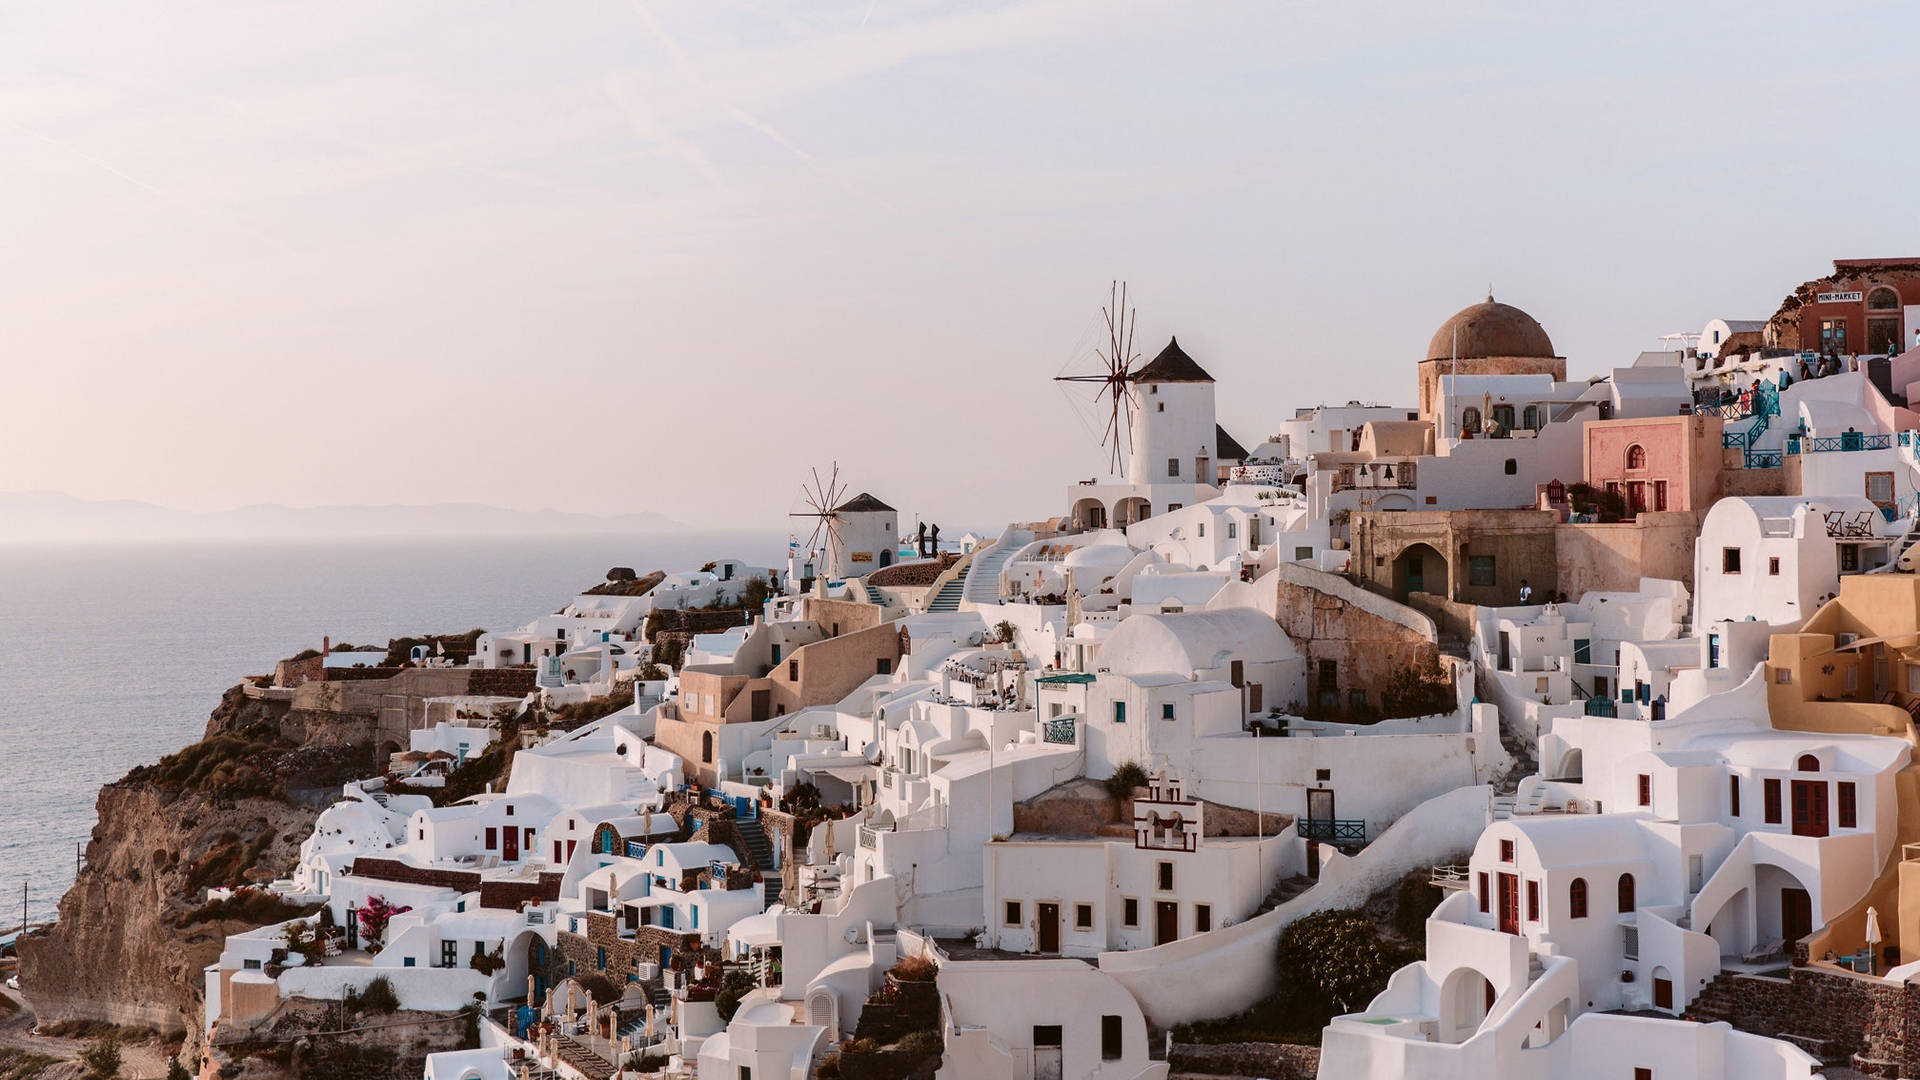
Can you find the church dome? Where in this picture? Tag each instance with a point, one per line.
(1490, 329)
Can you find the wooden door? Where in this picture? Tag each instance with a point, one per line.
(1049, 928)
(1663, 994)
(1320, 805)
(1809, 808)
(509, 844)
(1796, 916)
(1166, 922)
(1509, 903)
(762, 704)
(1046, 1063)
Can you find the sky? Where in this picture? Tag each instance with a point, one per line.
(668, 256)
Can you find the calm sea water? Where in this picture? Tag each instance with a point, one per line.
(113, 655)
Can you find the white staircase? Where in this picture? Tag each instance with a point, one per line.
(983, 575)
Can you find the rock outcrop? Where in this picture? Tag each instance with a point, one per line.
(134, 934)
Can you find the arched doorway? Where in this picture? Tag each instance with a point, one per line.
(1420, 568)
(1089, 514)
(1465, 999)
(1129, 510)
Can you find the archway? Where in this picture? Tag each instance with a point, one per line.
(1785, 910)
(1465, 999)
(1089, 514)
(1129, 510)
(1571, 767)
(1731, 925)
(1393, 502)
(1420, 568)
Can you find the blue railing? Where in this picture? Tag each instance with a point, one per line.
(1845, 441)
(1333, 830)
(1765, 459)
(1058, 730)
(1738, 407)
(1601, 706)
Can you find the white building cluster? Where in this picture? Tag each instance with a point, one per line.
(1027, 807)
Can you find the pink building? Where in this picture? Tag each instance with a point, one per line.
(1657, 463)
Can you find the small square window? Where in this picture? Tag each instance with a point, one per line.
(1321, 776)
(1166, 877)
(1202, 918)
(1166, 711)
(1783, 677)
(1173, 466)
(1130, 912)
(1480, 570)
(1083, 916)
(1730, 560)
(1119, 712)
(1302, 553)
(1013, 913)
(1506, 851)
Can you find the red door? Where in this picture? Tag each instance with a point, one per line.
(509, 844)
(1509, 904)
(1809, 808)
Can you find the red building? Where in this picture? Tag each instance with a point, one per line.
(1864, 306)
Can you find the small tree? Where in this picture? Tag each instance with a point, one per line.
(754, 592)
(102, 1057)
(735, 984)
(1004, 631)
(177, 1071)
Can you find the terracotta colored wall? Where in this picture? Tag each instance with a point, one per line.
(1684, 451)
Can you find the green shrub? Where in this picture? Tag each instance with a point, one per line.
(1125, 778)
(255, 906)
(102, 1057)
(735, 983)
(177, 1071)
(1334, 962)
(378, 997)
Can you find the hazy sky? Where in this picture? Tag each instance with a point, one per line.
(625, 256)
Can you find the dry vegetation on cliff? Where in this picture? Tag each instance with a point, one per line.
(134, 933)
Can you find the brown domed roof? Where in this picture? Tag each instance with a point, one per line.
(1490, 329)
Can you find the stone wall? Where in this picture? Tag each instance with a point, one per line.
(1873, 1022)
(1319, 616)
(1275, 1061)
(624, 954)
(509, 895)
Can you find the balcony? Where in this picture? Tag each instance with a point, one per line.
(1844, 442)
(1333, 830)
(1059, 730)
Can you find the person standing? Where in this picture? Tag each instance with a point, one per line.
(1526, 592)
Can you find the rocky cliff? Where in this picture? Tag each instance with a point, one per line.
(134, 935)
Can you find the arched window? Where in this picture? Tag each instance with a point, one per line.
(706, 747)
(1883, 299)
(1807, 763)
(1530, 418)
(1470, 420)
(1577, 898)
(1626, 894)
(1636, 456)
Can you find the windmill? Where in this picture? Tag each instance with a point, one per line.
(823, 500)
(1117, 360)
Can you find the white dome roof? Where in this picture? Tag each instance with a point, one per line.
(1100, 555)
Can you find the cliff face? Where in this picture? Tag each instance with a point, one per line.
(133, 936)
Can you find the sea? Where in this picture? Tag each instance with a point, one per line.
(113, 654)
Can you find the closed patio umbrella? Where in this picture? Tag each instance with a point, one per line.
(1873, 940)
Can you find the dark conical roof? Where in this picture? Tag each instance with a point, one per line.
(1172, 365)
(1226, 447)
(862, 503)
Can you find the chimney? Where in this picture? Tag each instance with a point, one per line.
(326, 646)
